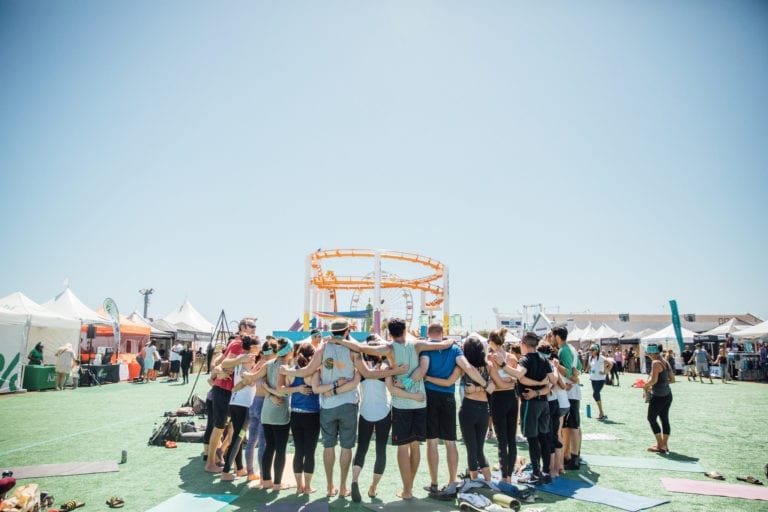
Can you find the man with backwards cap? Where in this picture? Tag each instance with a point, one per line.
(337, 387)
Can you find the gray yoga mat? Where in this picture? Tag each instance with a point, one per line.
(657, 462)
(583, 491)
(66, 469)
(414, 505)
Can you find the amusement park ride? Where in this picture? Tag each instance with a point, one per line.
(378, 294)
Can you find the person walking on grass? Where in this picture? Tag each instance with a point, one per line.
(599, 367)
(65, 361)
(659, 397)
(701, 359)
(722, 362)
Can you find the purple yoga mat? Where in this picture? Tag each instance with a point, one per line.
(750, 491)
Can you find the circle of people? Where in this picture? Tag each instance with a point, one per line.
(402, 391)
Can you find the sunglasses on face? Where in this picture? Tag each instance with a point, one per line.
(250, 326)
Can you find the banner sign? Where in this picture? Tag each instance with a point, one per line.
(676, 324)
(111, 308)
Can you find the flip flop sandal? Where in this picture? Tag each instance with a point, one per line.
(71, 505)
(714, 475)
(171, 444)
(115, 502)
(749, 480)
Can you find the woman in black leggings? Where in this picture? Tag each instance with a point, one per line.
(504, 405)
(474, 412)
(275, 416)
(374, 416)
(305, 422)
(659, 398)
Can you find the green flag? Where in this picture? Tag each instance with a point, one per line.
(676, 324)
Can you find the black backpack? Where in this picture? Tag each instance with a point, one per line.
(169, 430)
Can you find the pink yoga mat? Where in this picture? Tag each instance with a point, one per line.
(750, 492)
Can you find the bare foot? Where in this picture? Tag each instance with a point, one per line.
(344, 492)
(371, 492)
(266, 484)
(403, 495)
(241, 472)
(299, 490)
(309, 490)
(332, 492)
(212, 469)
(228, 477)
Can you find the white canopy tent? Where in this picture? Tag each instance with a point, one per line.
(191, 325)
(756, 331)
(667, 338)
(588, 334)
(13, 328)
(728, 327)
(575, 334)
(67, 304)
(605, 332)
(154, 332)
(511, 338)
(53, 329)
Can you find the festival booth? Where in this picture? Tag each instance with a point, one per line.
(163, 340)
(13, 327)
(668, 339)
(191, 326)
(607, 336)
(748, 361)
(52, 329)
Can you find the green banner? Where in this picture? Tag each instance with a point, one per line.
(676, 324)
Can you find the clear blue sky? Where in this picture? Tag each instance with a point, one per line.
(601, 156)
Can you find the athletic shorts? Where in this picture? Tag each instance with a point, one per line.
(441, 415)
(572, 418)
(689, 368)
(535, 418)
(175, 366)
(220, 410)
(702, 369)
(409, 425)
(339, 424)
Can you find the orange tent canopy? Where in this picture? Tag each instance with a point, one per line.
(127, 327)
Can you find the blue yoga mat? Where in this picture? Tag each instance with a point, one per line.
(657, 462)
(196, 502)
(583, 491)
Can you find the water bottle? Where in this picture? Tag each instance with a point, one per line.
(589, 411)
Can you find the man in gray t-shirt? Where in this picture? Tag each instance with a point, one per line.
(701, 359)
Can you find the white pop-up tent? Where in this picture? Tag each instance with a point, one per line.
(40, 324)
(53, 329)
(13, 328)
(190, 325)
(728, 327)
(667, 338)
(756, 331)
(67, 304)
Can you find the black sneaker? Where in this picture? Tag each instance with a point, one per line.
(546, 478)
(536, 479)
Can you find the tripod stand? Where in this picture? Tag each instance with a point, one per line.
(220, 331)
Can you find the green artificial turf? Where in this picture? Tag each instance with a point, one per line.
(723, 427)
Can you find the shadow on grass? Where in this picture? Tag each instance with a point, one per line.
(678, 457)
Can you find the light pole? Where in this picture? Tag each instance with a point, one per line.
(146, 292)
